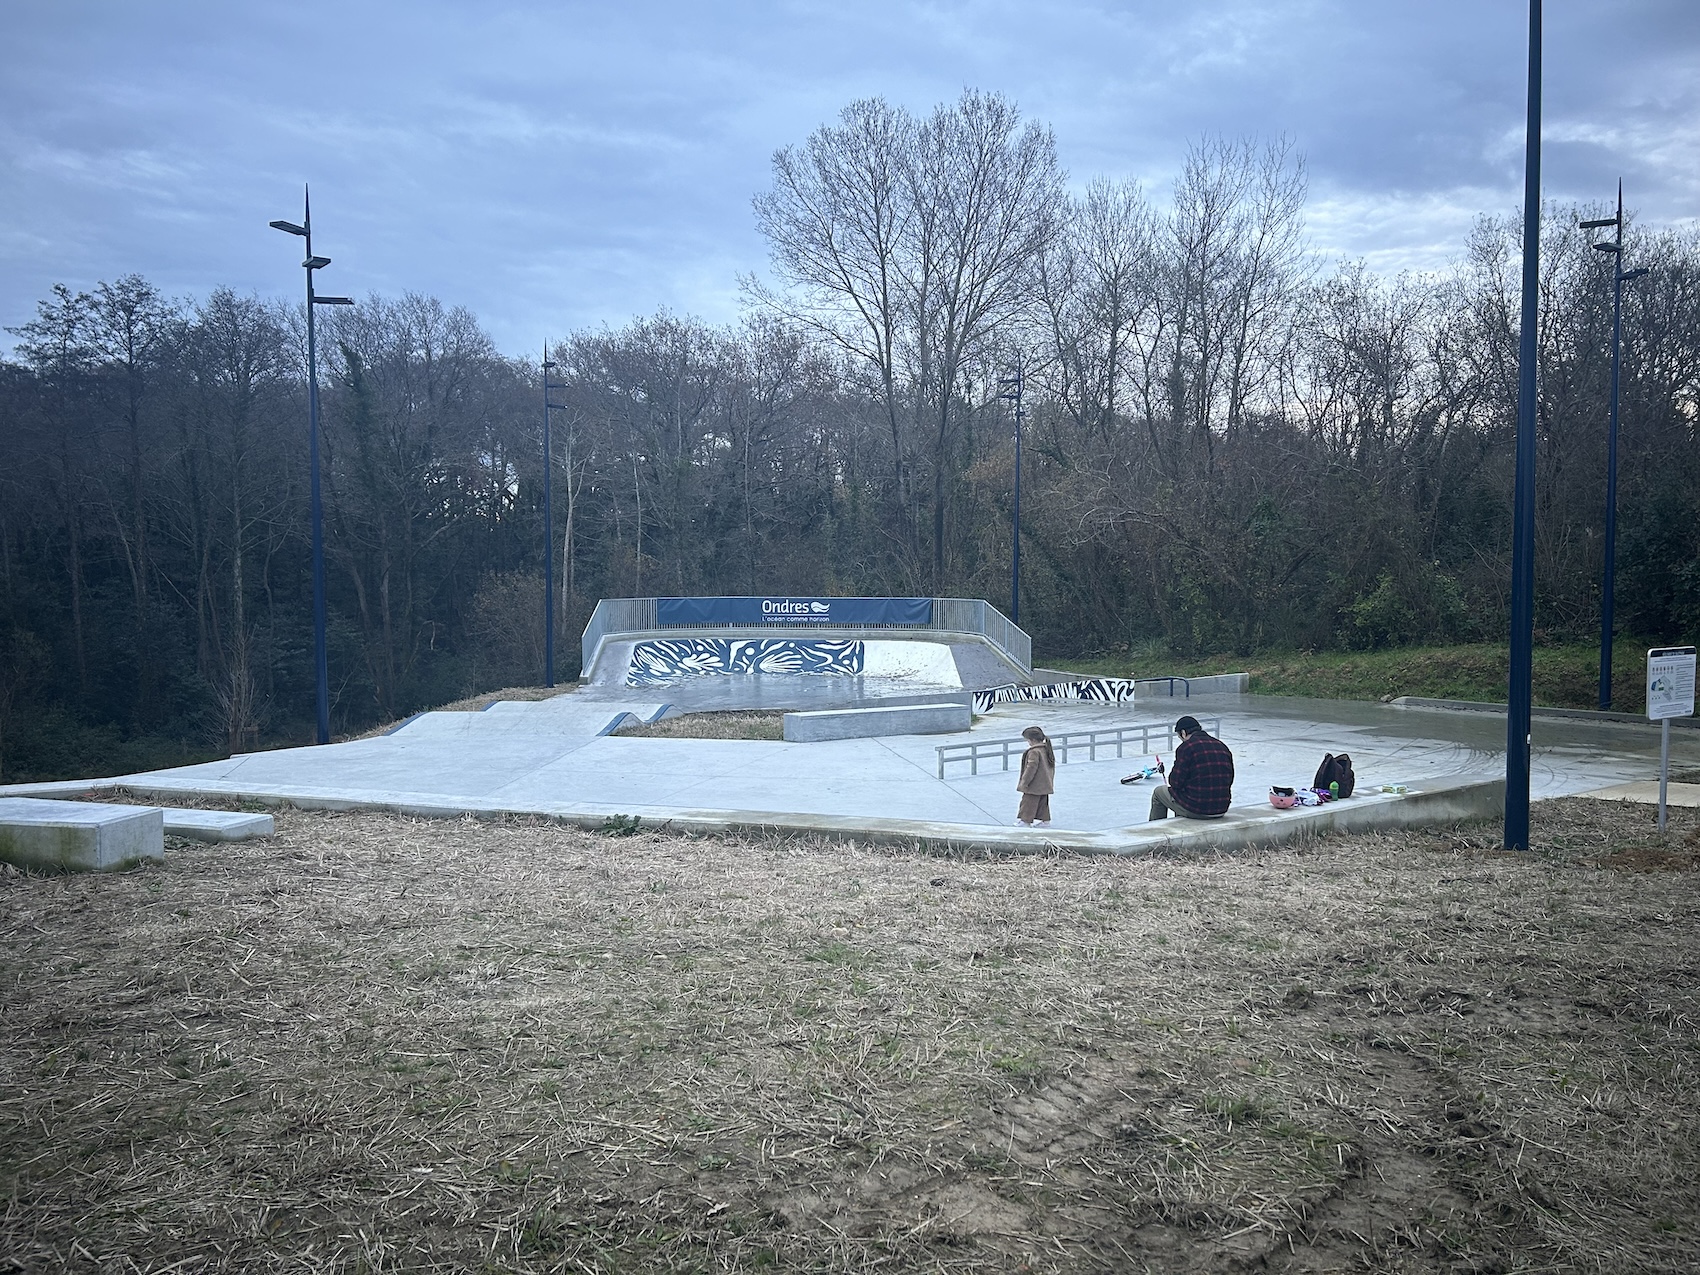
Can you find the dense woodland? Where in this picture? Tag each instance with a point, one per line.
(1228, 445)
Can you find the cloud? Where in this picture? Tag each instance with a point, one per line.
(559, 165)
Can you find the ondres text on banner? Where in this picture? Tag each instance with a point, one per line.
(854, 612)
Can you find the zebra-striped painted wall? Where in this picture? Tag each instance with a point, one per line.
(1107, 690)
(659, 661)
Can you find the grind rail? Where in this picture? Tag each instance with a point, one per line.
(1086, 741)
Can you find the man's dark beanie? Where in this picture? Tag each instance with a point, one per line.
(1189, 725)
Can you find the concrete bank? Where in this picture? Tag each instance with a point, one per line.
(1557, 714)
(1450, 799)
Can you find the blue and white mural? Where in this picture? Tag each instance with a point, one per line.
(1106, 690)
(660, 661)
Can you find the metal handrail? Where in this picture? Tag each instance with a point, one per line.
(1171, 681)
(616, 617)
(1088, 741)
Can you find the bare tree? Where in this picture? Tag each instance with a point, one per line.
(1235, 263)
(133, 327)
(909, 244)
(1098, 290)
(837, 222)
(59, 344)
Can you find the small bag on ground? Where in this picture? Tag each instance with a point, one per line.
(1336, 769)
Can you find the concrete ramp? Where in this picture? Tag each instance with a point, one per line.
(700, 673)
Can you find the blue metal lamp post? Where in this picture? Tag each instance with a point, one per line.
(1012, 386)
(1608, 582)
(1520, 693)
(320, 663)
(549, 524)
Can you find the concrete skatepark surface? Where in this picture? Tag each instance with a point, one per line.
(548, 757)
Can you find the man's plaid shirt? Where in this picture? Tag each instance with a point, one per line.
(1202, 778)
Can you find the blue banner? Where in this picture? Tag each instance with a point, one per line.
(755, 612)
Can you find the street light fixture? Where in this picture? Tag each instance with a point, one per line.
(1012, 386)
(549, 522)
(1608, 583)
(322, 697)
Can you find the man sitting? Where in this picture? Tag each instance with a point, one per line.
(1201, 780)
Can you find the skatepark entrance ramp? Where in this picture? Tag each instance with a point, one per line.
(782, 652)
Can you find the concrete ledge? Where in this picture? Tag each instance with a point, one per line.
(78, 836)
(58, 788)
(218, 825)
(1451, 799)
(1570, 714)
(1216, 684)
(869, 723)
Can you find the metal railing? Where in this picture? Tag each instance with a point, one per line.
(613, 615)
(1171, 681)
(618, 617)
(1087, 741)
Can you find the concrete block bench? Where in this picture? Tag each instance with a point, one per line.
(868, 723)
(218, 825)
(78, 836)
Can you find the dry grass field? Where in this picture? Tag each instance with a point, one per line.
(373, 1044)
(750, 724)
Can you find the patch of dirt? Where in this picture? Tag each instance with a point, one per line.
(726, 725)
(378, 1044)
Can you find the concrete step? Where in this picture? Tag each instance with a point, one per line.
(218, 825)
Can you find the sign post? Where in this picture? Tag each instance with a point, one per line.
(1670, 693)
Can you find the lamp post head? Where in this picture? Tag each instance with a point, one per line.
(1636, 273)
(288, 227)
(316, 263)
(1607, 246)
(333, 300)
(1597, 223)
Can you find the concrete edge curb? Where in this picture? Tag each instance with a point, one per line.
(59, 788)
(1450, 799)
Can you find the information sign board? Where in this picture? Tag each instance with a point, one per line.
(1670, 682)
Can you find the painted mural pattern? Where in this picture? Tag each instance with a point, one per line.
(1106, 690)
(660, 661)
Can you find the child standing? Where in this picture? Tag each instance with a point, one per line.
(1038, 779)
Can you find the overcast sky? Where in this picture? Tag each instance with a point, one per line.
(553, 166)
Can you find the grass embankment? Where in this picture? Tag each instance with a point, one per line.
(1565, 676)
(373, 1044)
